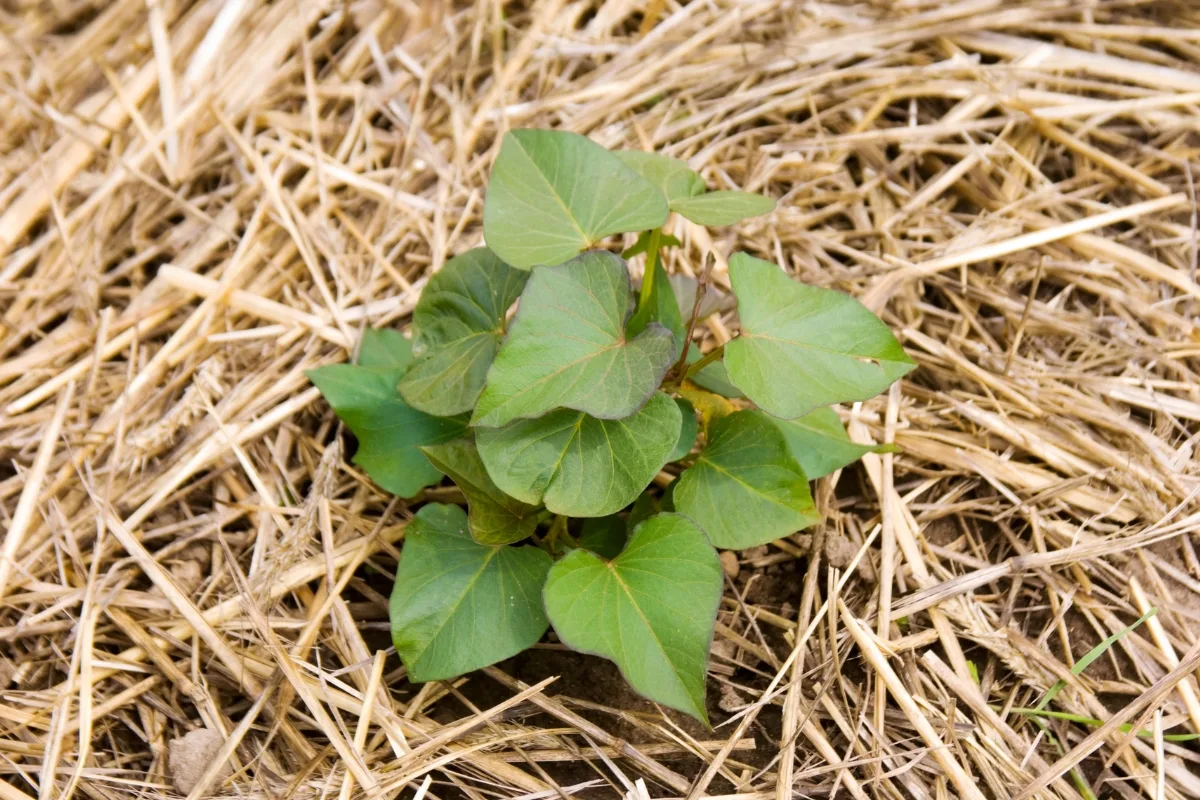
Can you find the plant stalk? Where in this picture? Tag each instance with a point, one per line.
(651, 268)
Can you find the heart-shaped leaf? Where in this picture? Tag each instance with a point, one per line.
(819, 442)
(723, 207)
(687, 430)
(554, 193)
(674, 178)
(745, 488)
(567, 347)
(457, 327)
(687, 194)
(578, 465)
(494, 518)
(651, 609)
(459, 605)
(389, 432)
(802, 347)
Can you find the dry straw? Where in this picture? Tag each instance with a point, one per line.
(198, 201)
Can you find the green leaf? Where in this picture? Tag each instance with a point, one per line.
(723, 207)
(802, 347)
(819, 442)
(687, 430)
(457, 327)
(674, 178)
(459, 605)
(389, 432)
(494, 518)
(567, 347)
(687, 194)
(383, 347)
(604, 536)
(661, 308)
(642, 245)
(651, 609)
(554, 193)
(578, 465)
(712, 376)
(745, 488)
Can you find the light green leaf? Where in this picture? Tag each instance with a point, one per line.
(567, 347)
(494, 518)
(642, 245)
(651, 609)
(554, 193)
(723, 207)
(819, 442)
(604, 536)
(578, 465)
(383, 347)
(661, 308)
(745, 488)
(687, 430)
(687, 194)
(802, 347)
(712, 376)
(457, 327)
(388, 430)
(674, 178)
(458, 605)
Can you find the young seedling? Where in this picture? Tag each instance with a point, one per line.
(555, 420)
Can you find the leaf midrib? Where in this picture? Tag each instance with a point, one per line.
(612, 568)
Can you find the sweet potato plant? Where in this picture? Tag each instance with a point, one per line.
(553, 421)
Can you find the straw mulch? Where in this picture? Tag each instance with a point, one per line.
(200, 200)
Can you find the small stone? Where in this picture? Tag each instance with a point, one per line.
(191, 754)
(730, 700)
(729, 563)
(756, 552)
(839, 550)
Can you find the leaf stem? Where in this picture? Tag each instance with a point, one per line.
(680, 367)
(707, 359)
(651, 268)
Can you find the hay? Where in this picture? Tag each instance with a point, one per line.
(199, 201)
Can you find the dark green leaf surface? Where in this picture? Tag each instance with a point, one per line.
(578, 465)
(389, 431)
(457, 327)
(651, 609)
(802, 347)
(723, 207)
(458, 605)
(554, 193)
(819, 442)
(745, 488)
(494, 517)
(604, 536)
(384, 347)
(688, 429)
(567, 347)
(674, 178)
(660, 308)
